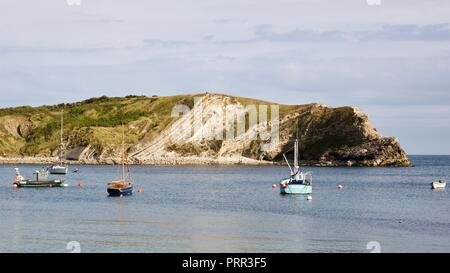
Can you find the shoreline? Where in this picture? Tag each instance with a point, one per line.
(152, 162)
(187, 161)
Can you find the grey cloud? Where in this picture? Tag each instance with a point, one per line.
(223, 21)
(164, 43)
(434, 32)
(262, 29)
(263, 32)
(5, 49)
(298, 35)
(111, 20)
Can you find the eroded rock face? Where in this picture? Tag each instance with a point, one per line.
(25, 127)
(16, 126)
(344, 137)
(381, 152)
(328, 137)
(13, 132)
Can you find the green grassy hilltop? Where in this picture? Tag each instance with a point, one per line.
(32, 131)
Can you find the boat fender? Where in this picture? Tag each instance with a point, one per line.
(285, 186)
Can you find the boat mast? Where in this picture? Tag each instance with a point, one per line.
(123, 153)
(62, 135)
(296, 167)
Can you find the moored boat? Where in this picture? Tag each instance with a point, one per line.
(60, 168)
(438, 185)
(41, 181)
(120, 188)
(298, 182)
(123, 186)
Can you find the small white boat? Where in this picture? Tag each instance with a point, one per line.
(58, 169)
(438, 185)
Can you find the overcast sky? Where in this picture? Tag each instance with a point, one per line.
(391, 60)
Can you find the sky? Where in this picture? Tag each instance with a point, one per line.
(391, 60)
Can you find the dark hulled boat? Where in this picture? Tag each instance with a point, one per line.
(41, 181)
(120, 188)
(123, 186)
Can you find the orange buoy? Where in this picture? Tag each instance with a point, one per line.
(274, 186)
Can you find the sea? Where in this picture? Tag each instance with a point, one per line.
(184, 209)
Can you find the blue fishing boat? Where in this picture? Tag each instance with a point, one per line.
(298, 182)
(123, 186)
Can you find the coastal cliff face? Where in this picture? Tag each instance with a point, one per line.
(155, 135)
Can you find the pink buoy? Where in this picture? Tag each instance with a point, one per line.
(139, 189)
(80, 184)
(274, 186)
(340, 187)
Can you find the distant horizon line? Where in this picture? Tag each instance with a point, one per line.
(428, 154)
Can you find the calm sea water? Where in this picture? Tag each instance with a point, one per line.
(231, 209)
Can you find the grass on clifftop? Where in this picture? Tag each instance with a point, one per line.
(101, 115)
